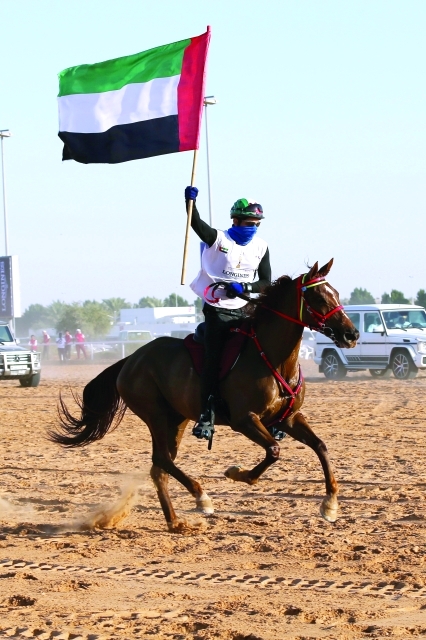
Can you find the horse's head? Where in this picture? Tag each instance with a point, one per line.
(320, 308)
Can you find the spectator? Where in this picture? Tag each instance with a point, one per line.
(79, 344)
(60, 341)
(46, 340)
(33, 343)
(68, 343)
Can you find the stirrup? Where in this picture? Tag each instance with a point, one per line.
(204, 428)
(276, 433)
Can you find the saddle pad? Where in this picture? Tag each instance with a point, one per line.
(232, 349)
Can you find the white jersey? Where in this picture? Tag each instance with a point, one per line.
(227, 261)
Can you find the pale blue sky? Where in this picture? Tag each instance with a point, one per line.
(321, 118)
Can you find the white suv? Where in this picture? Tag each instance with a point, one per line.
(17, 362)
(392, 339)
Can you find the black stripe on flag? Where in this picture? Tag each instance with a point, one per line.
(123, 142)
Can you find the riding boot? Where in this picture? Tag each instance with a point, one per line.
(204, 428)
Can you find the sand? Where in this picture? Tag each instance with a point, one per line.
(264, 566)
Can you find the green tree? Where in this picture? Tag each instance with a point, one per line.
(55, 311)
(91, 317)
(70, 318)
(198, 304)
(36, 316)
(395, 297)
(361, 296)
(421, 298)
(173, 300)
(113, 306)
(149, 301)
(95, 318)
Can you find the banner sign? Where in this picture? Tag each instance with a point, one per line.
(9, 283)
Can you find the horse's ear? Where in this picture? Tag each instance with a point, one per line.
(326, 268)
(313, 271)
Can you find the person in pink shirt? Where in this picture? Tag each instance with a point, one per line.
(33, 343)
(68, 343)
(79, 343)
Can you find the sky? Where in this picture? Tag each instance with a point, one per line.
(320, 118)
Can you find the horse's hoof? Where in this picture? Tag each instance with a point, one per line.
(240, 475)
(328, 509)
(186, 527)
(204, 504)
(233, 473)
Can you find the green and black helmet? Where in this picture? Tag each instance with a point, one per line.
(244, 208)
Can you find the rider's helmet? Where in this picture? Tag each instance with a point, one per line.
(244, 208)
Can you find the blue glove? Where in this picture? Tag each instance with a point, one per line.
(233, 289)
(191, 193)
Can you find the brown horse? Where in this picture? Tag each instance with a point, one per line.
(159, 384)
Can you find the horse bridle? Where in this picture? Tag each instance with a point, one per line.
(302, 286)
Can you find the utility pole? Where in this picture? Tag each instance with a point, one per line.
(4, 133)
(208, 100)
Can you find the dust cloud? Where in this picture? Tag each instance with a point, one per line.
(110, 514)
(14, 511)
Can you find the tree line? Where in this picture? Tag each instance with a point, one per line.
(362, 296)
(92, 317)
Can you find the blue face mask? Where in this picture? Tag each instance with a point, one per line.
(242, 235)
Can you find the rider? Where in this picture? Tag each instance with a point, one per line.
(235, 257)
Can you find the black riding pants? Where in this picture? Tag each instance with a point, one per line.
(217, 325)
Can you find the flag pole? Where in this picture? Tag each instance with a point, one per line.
(189, 218)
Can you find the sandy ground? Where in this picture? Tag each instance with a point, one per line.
(264, 566)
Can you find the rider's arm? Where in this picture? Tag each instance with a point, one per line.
(264, 273)
(206, 233)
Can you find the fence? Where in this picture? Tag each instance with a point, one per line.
(116, 349)
(90, 350)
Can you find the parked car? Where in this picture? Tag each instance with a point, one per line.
(392, 339)
(307, 346)
(16, 361)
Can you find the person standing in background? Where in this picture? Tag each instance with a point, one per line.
(60, 342)
(79, 344)
(46, 341)
(68, 343)
(33, 343)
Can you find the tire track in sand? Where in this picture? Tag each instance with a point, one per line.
(249, 580)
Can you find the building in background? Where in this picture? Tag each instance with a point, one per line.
(177, 322)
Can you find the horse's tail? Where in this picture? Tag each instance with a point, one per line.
(100, 407)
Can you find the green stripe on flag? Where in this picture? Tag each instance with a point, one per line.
(161, 62)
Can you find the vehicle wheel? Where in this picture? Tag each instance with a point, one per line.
(332, 367)
(402, 366)
(380, 373)
(30, 381)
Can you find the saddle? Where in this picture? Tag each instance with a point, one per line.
(233, 347)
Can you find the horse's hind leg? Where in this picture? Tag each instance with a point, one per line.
(165, 447)
(298, 428)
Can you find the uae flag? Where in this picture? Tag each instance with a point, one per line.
(138, 106)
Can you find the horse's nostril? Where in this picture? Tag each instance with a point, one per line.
(350, 336)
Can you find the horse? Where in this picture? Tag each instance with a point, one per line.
(264, 388)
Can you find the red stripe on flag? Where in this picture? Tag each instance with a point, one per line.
(191, 91)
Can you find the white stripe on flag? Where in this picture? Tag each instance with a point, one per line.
(98, 112)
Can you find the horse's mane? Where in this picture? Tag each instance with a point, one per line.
(270, 297)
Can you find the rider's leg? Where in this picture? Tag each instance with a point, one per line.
(217, 325)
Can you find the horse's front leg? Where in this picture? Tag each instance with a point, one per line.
(298, 428)
(253, 429)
